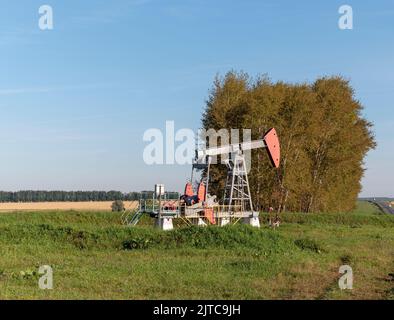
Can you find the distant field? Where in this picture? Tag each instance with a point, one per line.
(82, 206)
(95, 257)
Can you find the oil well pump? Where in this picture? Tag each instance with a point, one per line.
(202, 208)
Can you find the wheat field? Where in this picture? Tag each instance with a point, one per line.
(82, 206)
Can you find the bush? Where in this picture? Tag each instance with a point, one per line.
(136, 243)
(117, 206)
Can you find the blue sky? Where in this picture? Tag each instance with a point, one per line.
(75, 101)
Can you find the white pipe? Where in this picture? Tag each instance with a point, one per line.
(231, 148)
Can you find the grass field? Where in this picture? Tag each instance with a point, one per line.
(63, 205)
(94, 257)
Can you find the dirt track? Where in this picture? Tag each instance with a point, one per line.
(82, 206)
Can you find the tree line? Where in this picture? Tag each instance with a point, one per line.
(75, 196)
(323, 134)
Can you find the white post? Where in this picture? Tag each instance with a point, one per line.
(253, 220)
(165, 223)
(224, 221)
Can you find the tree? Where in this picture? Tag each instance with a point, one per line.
(41, 196)
(324, 139)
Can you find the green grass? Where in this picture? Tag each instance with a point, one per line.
(94, 257)
(367, 208)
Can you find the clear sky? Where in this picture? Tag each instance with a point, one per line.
(76, 100)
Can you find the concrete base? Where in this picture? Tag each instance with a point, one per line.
(224, 221)
(165, 223)
(253, 221)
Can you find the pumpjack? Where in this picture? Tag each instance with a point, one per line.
(202, 208)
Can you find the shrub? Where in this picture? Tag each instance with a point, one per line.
(136, 243)
(117, 206)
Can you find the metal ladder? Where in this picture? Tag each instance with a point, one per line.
(131, 218)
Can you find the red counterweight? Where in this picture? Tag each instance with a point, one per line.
(273, 147)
